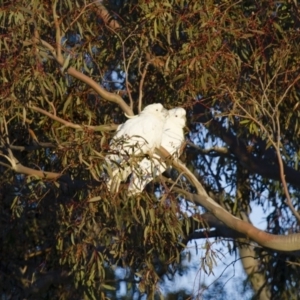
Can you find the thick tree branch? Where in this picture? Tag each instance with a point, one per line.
(16, 166)
(220, 150)
(290, 242)
(213, 227)
(251, 265)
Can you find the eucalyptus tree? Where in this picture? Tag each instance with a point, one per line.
(69, 72)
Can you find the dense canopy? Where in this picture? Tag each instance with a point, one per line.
(71, 70)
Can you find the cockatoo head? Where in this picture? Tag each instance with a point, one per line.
(177, 115)
(157, 109)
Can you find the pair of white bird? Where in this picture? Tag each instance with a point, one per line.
(153, 127)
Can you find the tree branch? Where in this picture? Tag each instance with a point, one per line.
(290, 242)
(253, 164)
(16, 166)
(212, 227)
(221, 150)
(141, 87)
(112, 97)
(107, 127)
(251, 266)
(104, 14)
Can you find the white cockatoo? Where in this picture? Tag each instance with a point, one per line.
(140, 134)
(172, 140)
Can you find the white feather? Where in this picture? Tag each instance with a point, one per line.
(138, 135)
(172, 139)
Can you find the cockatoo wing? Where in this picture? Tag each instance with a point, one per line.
(172, 139)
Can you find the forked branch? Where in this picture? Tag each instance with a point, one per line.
(112, 97)
(275, 242)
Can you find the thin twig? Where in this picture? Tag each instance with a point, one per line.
(58, 32)
(79, 15)
(286, 91)
(127, 83)
(282, 175)
(141, 87)
(58, 119)
(108, 127)
(126, 66)
(276, 128)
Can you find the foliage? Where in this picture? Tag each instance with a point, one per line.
(233, 65)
